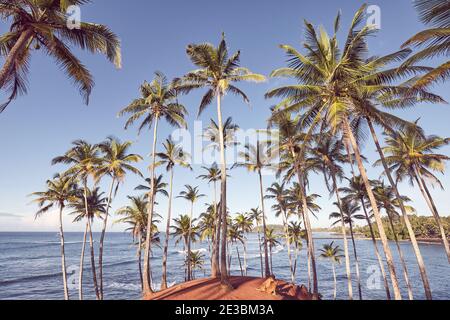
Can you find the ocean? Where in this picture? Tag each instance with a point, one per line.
(30, 267)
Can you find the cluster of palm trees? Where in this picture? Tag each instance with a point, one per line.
(337, 93)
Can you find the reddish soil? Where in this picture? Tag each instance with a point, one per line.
(245, 288)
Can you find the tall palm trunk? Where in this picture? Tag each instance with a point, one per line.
(102, 237)
(80, 276)
(139, 254)
(189, 253)
(267, 272)
(223, 197)
(271, 261)
(215, 263)
(373, 203)
(288, 246)
(260, 250)
(344, 235)
(166, 240)
(239, 259)
(148, 241)
(377, 252)
(358, 276)
(245, 257)
(311, 250)
(8, 66)
(429, 199)
(63, 255)
(308, 252)
(411, 233)
(402, 259)
(334, 281)
(94, 272)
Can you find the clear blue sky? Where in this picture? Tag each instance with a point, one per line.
(154, 35)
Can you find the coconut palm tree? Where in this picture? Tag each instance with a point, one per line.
(191, 194)
(411, 156)
(244, 224)
(43, 25)
(207, 226)
(185, 231)
(296, 236)
(332, 253)
(212, 134)
(84, 161)
(356, 192)
(271, 240)
(388, 201)
(331, 80)
(158, 100)
(281, 208)
(173, 156)
(255, 215)
(217, 73)
(88, 205)
(235, 235)
(213, 175)
(329, 154)
(60, 190)
(434, 41)
(197, 261)
(256, 159)
(115, 163)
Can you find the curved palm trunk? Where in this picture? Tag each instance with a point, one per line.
(63, 255)
(412, 235)
(358, 277)
(223, 197)
(102, 238)
(402, 259)
(384, 240)
(94, 272)
(215, 263)
(344, 235)
(80, 277)
(288, 245)
(189, 253)
(335, 282)
(260, 250)
(166, 240)
(267, 272)
(16, 50)
(429, 199)
(377, 253)
(148, 240)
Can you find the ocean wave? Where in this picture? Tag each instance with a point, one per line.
(184, 252)
(30, 278)
(124, 286)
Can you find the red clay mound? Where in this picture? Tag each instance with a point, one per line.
(245, 288)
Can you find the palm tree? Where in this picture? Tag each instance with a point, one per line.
(136, 216)
(207, 226)
(436, 40)
(192, 195)
(356, 192)
(281, 208)
(213, 175)
(59, 191)
(388, 201)
(255, 159)
(234, 236)
(244, 224)
(296, 236)
(336, 77)
(329, 154)
(84, 160)
(186, 231)
(212, 134)
(411, 155)
(217, 72)
(348, 212)
(255, 215)
(88, 205)
(174, 155)
(158, 100)
(115, 162)
(196, 262)
(271, 240)
(332, 253)
(43, 25)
